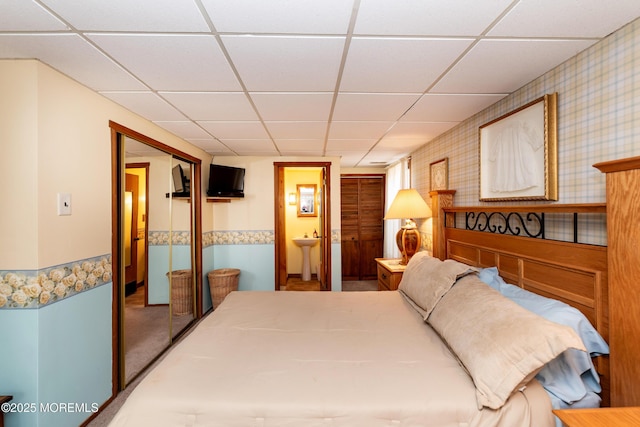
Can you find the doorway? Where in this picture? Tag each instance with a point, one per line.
(157, 256)
(283, 208)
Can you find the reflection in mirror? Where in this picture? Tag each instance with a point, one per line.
(180, 249)
(157, 232)
(307, 200)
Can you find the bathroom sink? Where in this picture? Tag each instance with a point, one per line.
(305, 241)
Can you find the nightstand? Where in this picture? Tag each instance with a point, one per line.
(389, 274)
(596, 417)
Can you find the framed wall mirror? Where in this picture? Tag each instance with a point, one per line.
(307, 200)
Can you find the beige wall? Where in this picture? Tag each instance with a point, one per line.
(256, 210)
(56, 139)
(19, 172)
(298, 226)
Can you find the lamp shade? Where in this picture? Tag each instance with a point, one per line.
(408, 204)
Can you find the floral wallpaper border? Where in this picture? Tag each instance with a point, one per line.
(38, 288)
(248, 237)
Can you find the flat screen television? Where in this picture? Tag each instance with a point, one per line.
(225, 181)
(181, 184)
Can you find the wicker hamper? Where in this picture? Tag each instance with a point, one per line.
(221, 282)
(181, 292)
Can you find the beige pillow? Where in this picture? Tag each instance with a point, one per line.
(501, 345)
(427, 279)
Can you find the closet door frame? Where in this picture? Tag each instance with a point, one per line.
(118, 132)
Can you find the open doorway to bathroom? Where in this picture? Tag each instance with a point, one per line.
(302, 206)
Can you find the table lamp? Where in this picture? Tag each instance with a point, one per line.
(408, 205)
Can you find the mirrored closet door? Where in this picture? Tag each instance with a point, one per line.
(157, 287)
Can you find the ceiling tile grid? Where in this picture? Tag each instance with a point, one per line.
(369, 81)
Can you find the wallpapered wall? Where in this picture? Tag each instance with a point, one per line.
(598, 120)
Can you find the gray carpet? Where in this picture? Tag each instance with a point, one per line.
(360, 285)
(146, 332)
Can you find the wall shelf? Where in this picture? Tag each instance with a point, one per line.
(218, 200)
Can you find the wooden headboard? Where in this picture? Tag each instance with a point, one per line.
(575, 273)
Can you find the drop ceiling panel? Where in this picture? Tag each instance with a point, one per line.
(252, 147)
(358, 130)
(553, 18)
(354, 145)
(424, 131)
(20, 15)
(392, 145)
(301, 145)
(71, 55)
(301, 130)
(280, 16)
(348, 159)
(281, 63)
(185, 130)
(398, 64)
(172, 62)
(212, 105)
(449, 108)
(293, 106)
(381, 157)
(257, 73)
(502, 66)
(372, 106)
(210, 145)
(146, 104)
(127, 15)
(235, 130)
(427, 17)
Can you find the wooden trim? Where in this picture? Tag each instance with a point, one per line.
(116, 183)
(440, 199)
(154, 143)
(196, 238)
(547, 208)
(280, 251)
(117, 163)
(618, 165)
(623, 234)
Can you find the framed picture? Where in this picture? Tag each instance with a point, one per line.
(439, 173)
(307, 200)
(519, 153)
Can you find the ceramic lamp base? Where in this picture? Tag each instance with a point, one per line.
(409, 241)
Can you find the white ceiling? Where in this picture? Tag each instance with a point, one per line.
(367, 80)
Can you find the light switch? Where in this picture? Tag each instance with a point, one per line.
(64, 204)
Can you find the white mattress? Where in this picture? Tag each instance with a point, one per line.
(317, 358)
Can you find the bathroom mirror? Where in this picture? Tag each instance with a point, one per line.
(307, 200)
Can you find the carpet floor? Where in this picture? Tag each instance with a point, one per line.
(146, 332)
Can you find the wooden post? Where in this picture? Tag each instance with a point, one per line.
(623, 235)
(440, 199)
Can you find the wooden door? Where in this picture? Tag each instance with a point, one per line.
(362, 212)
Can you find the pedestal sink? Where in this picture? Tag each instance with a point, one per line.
(306, 243)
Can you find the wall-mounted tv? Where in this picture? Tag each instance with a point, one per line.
(225, 181)
(181, 184)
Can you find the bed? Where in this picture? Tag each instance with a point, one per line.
(405, 358)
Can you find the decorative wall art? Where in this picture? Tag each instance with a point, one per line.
(519, 153)
(439, 172)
